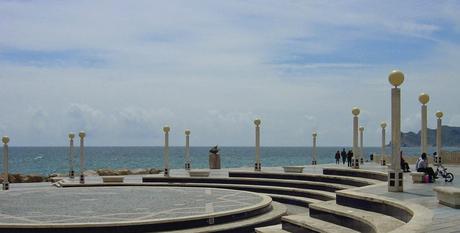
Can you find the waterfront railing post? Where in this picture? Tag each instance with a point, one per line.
(257, 166)
(187, 150)
(395, 175)
(166, 130)
(355, 160)
(424, 98)
(438, 159)
(6, 184)
(71, 168)
(382, 159)
(82, 135)
(314, 154)
(361, 150)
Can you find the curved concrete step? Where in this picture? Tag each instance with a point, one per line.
(375, 203)
(271, 229)
(314, 194)
(293, 200)
(368, 174)
(357, 219)
(245, 225)
(343, 180)
(302, 184)
(303, 223)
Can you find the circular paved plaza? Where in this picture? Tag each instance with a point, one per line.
(122, 205)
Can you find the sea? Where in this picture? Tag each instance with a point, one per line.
(48, 160)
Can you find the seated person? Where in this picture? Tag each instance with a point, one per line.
(422, 166)
(404, 164)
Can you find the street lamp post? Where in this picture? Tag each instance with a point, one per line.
(382, 160)
(424, 98)
(314, 154)
(257, 165)
(71, 168)
(6, 184)
(166, 130)
(355, 160)
(361, 149)
(82, 156)
(438, 159)
(187, 149)
(395, 175)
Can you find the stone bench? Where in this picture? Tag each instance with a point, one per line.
(417, 177)
(293, 169)
(200, 173)
(113, 179)
(449, 196)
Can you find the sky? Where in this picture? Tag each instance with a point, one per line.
(121, 70)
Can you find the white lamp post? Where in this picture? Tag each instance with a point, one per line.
(82, 156)
(382, 160)
(187, 149)
(361, 149)
(438, 158)
(6, 184)
(424, 98)
(314, 159)
(71, 169)
(355, 160)
(395, 175)
(257, 165)
(166, 130)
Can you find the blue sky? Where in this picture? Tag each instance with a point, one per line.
(120, 70)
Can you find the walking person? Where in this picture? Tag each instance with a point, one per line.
(349, 157)
(344, 155)
(337, 157)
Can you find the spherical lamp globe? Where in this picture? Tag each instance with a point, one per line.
(424, 98)
(396, 78)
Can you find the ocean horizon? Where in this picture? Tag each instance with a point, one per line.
(47, 160)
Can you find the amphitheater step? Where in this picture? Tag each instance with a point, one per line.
(357, 219)
(293, 200)
(271, 229)
(371, 202)
(315, 194)
(303, 223)
(375, 175)
(244, 225)
(343, 180)
(302, 184)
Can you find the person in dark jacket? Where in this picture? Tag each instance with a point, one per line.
(344, 155)
(349, 157)
(404, 164)
(337, 157)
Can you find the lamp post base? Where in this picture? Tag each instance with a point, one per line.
(395, 181)
(356, 163)
(257, 167)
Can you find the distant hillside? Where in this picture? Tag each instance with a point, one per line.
(450, 137)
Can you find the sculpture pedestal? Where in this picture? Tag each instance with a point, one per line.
(214, 161)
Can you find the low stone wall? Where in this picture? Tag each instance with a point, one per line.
(22, 178)
(448, 157)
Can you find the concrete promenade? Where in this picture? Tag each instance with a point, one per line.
(41, 196)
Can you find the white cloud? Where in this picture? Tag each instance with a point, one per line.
(215, 66)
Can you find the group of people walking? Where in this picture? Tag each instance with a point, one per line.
(346, 157)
